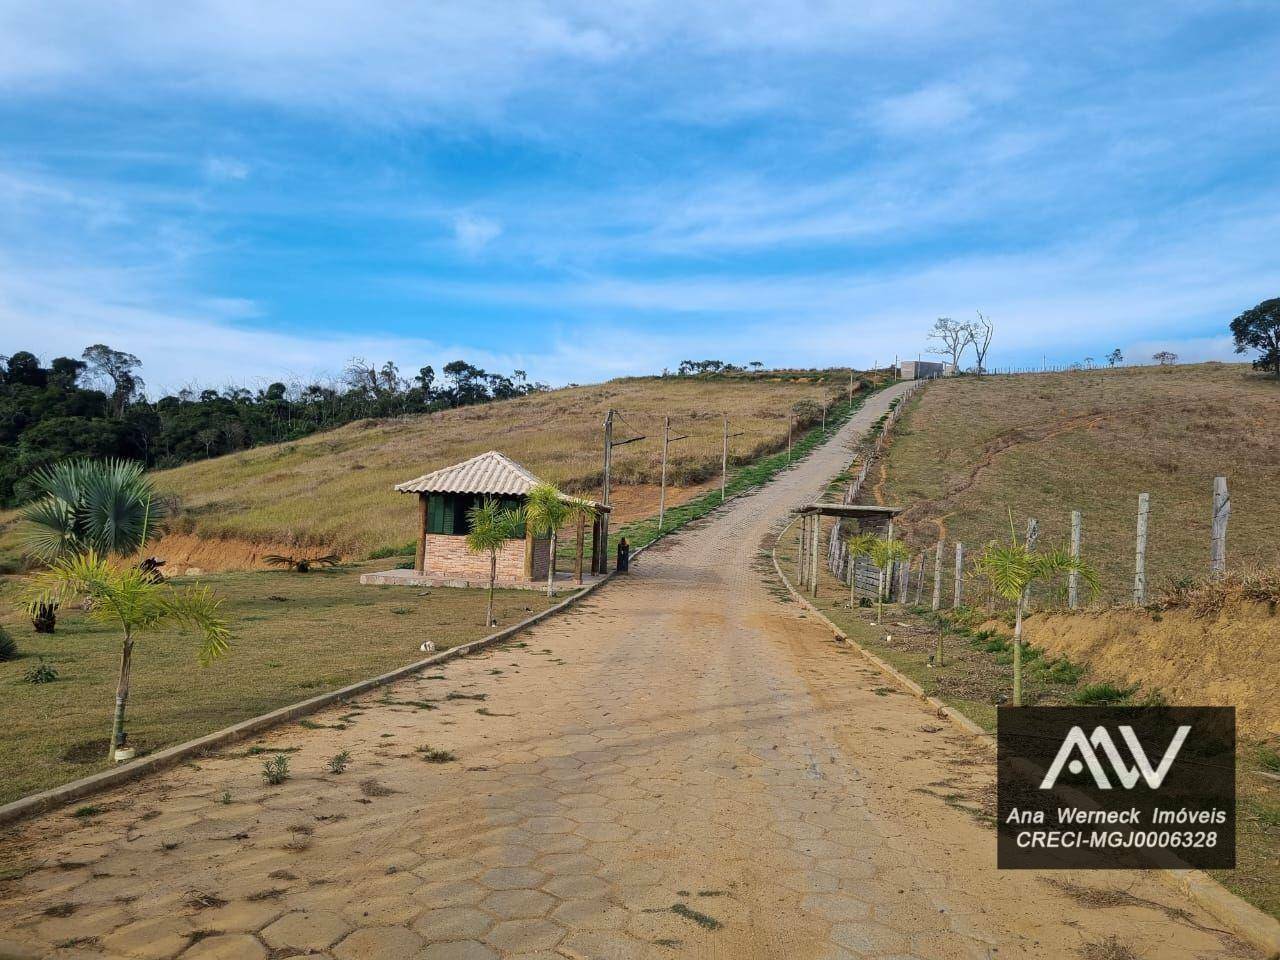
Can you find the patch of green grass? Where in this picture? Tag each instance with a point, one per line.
(1268, 759)
(1104, 695)
(330, 632)
(1062, 671)
(89, 810)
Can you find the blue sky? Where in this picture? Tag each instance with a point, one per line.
(237, 190)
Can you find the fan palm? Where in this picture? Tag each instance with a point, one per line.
(492, 525)
(129, 598)
(1011, 569)
(107, 506)
(546, 512)
(301, 564)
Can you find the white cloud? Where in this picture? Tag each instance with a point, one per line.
(924, 110)
(473, 233)
(226, 168)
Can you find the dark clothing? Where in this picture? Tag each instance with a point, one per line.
(624, 556)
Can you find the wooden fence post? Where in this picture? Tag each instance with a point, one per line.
(1073, 578)
(817, 536)
(956, 598)
(1140, 552)
(1033, 537)
(1221, 514)
(801, 556)
(937, 578)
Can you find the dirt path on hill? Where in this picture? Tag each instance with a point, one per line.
(684, 766)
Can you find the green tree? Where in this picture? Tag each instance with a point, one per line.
(546, 511)
(1011, 568)
(492, 525)
(1259, 329)
(128, 598)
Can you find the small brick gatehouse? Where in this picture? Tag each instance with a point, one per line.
(444, 498)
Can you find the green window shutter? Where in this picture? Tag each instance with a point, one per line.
(433, 513)
(447, 524)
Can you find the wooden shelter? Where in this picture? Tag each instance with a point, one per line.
(444, 499)
(848, 518)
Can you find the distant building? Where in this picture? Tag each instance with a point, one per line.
(924, 369)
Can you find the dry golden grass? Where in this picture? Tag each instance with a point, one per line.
(334, 490)
(1041, 445)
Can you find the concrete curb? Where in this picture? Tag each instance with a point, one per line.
(1240, 917)
(126, 772)
(143, 766)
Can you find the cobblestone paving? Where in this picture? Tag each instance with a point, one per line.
(684, 766)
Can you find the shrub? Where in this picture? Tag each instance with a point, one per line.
(432, 755)
(338, 762)
(8, 646)
(275, 770)
(384, 553)
(41, 673)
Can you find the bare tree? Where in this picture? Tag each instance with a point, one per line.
(980, 333)
(1165, 358)
(952, 338)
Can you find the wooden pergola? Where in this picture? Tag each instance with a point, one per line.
(866, 518)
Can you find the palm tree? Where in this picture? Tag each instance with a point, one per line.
(883, 553)
(492, 525)
(859, 545)
(580, 511)
(546, 512)
(1012, 568)
(129, 598)
(107, 506)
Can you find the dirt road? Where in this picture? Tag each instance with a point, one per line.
(684, 766)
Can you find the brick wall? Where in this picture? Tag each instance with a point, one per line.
(449, 557)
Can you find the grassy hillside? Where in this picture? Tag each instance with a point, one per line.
(970, 449)
(334, 490)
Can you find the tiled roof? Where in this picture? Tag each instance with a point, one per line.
(490, 473)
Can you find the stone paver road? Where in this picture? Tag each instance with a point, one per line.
(684, 766)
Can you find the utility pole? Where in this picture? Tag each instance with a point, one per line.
(1073, 578)
(851, 385)
(662, 495)
(601, 548)
(791, 419)
(724, 456)
(667, 439)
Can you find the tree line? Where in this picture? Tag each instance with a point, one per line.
(96, 406)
